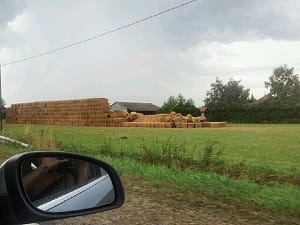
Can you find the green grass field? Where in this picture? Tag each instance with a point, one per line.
(255, 151)
(276, 146)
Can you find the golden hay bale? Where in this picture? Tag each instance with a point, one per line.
(164, 118)
(125, 124)
(190, 125)
(59, 112)
(132, 116)
(198, 125)
(177, 119)
(222, 124)
(189, 119)
(202, 118)
(206, 124)
(183, 120)
(117, 114)
(178, 125)
(189, 116)
(214, 125)
(170, 125)
(184, 125)
(175, 114)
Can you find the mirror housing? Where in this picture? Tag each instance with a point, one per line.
(16, 207)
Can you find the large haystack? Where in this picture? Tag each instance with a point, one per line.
(83, 112)
(97, 112)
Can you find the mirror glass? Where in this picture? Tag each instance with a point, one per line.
(62, 184)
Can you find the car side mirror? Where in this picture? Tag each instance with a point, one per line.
(41, 186)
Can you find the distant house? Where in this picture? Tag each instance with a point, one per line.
(145, 108)
(263, 99)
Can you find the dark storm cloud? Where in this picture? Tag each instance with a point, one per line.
(231, 20)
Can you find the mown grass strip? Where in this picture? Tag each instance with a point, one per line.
(275, 198)
(273, 146)
(153, 146)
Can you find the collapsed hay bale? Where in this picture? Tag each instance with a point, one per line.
(117, 114)
(134, 116)
(199, 119)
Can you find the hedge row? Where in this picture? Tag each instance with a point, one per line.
(254, 114)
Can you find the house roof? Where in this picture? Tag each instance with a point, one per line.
(264, 98)
(139, 107)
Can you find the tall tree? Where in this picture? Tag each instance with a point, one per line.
(223, 94)
(284, 85)
(179, 105)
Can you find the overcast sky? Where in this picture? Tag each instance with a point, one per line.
(179, 52)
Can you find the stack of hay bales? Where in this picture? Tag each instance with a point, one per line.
(97, 112)
(117, 114)
(83, 112)
(115, 118)
(169, 121)
(199, 121)
(150, 121)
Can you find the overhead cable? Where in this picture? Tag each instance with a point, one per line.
(98, 35)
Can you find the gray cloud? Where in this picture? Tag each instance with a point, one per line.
(8, 11)
(231, 20)
(179, 52)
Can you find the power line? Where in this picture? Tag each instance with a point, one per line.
(98, 35)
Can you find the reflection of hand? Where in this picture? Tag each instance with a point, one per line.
(83, 172)
(45, 174)
(48, 163)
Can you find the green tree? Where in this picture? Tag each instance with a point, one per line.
(179, 105)
(232, 93)
(169, 105)
(284, 86)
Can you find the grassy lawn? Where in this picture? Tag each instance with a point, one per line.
(275, 146)
(270, 149)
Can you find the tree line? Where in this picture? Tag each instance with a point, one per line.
(232, 102)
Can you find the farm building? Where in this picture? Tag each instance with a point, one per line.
(145, 108)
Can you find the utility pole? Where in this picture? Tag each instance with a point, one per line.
(1, 103)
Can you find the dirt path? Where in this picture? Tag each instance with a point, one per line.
(146, 204)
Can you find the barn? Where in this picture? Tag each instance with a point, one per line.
(145, 108)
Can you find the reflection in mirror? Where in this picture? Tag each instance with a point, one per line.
(63, 184)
